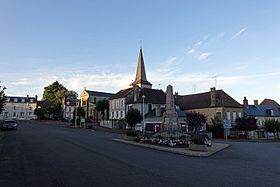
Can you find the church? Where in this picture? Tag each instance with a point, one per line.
(139, 95)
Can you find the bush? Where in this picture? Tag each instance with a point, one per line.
(131, 133)
(198, 140)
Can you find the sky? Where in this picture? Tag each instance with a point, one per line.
(193, 45)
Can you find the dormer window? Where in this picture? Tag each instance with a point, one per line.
(271, 112)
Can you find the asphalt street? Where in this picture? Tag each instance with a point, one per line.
(47, 155)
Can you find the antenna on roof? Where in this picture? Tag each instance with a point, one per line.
(215, 80)
(194, 88)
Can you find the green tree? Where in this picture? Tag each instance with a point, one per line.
(2, 98)
(195, 121)
(102, 106)
(272, 126)
(54, 92)
(217, 127)
(40, 113)
(133, 117)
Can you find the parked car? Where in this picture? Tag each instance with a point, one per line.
(9, 124)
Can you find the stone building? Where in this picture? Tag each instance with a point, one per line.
(213, 103)
(88, 100)
(20, 108)
(139, 95)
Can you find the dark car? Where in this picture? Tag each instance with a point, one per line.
(9, 124)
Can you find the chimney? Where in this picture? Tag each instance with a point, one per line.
(245, 102)
(256, 102)
(213, 96)
(158, 111)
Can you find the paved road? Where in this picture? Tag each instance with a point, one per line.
(44, 155)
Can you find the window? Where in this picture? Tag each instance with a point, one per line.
(31, 100)
(117, 114)
(219, 115)
(30, 108)
(239, 114)
(15, 100)
(30, 113)
(233, 116)
(15, 107)
(113, 115)
(228, 115)
(94, 100)
(14, 114)
(271, 112)
(21, 114)
(150, 107)
(121, 114)
(22, 100)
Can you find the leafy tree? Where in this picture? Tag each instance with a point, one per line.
(272, 126)
(2, 98)
(246, 123)
(195, 121)
(133, 117)
(101, 106)
(54, 92)
(80, 112)
(217, 127)
(40, 113)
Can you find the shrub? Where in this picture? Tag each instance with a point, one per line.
(131, 133)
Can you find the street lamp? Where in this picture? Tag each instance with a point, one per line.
(143, 113)
(76, 113)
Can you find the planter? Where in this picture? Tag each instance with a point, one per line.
(198, 147)
(129, 138)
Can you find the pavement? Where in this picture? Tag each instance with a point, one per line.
(48, 155)
(216, 147)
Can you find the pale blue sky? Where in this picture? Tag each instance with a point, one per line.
(185, 43)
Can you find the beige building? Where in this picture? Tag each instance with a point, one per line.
(20, 108)
(213, 103)
(88, 100)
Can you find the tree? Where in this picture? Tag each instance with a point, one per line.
(195, 121)
(272, 126)
(133, 117)
(217, 127)
(80, 112)
(101, 106)
(54, 92)
(40, 113)
(246, 123)
(2, 98)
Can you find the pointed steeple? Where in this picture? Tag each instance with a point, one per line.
(141, 79)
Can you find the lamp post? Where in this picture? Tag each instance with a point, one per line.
(143, 113)
(76, 113)
(68, 116)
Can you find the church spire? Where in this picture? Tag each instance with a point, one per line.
(141, 79)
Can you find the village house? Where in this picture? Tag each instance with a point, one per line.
(213, 103)
(19, 108)
(88, 101)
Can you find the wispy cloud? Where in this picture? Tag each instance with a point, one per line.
(204, 56)
(194, 48)
(239, 33)
(171, 60)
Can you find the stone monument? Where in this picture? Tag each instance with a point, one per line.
(170, 125)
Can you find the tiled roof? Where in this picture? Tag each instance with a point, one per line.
(252, 110)
(99, 94)
(15, 99)
(121, 93)
(151, 96)
(270, 102)
(203, 100)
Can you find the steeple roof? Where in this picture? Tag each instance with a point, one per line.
(141, 72)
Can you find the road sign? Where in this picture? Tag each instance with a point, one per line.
(227, 124)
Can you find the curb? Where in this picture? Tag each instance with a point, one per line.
(180, 151)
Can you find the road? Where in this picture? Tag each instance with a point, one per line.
(46, 155)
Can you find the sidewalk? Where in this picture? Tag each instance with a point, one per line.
(216, 147)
